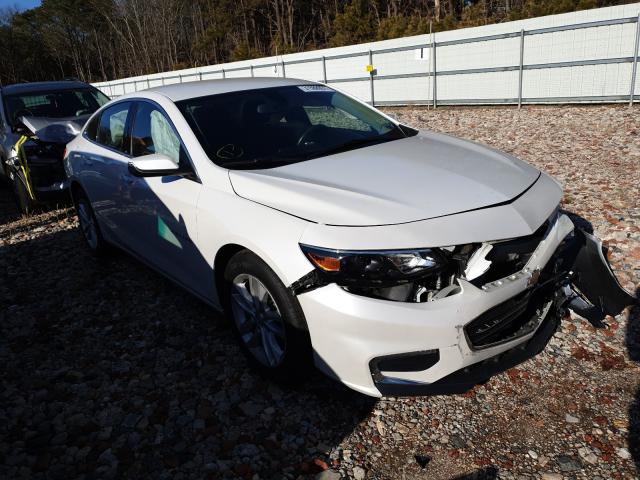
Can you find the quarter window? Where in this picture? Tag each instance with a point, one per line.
(153, 133)
(111, 129)
(91, 130)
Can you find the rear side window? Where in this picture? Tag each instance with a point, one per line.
(112, 125)
(153, 133)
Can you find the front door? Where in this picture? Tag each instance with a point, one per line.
(161, 211)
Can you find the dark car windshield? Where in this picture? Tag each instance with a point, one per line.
(269, 127)
(54, 104)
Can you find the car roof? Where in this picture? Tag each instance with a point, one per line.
(186, 90)
(34, 87)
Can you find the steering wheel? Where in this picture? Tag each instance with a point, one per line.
(307, 136)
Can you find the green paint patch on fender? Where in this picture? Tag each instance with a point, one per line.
(165, 233)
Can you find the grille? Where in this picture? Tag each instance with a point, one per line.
(509, 320)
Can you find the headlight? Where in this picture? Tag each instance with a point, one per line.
(376, 267)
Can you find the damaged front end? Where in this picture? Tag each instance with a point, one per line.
(575, 275)
(504, 300)
(35, 163)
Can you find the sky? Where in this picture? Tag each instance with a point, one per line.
(19, 4)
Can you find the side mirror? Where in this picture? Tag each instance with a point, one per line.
(154, 165)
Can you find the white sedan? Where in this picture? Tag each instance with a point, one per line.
(399, 262)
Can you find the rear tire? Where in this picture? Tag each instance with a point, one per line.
(89, 227)
(267, 319)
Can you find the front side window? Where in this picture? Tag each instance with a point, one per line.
(111, 128)
(153, 133)
(54, 104)
(268, 127)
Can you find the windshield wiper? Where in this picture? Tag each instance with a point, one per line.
(268, 159)
(394, 134)
(350, 145)
(286, 158)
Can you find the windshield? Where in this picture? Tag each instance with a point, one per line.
(270, 127)
(54, 104)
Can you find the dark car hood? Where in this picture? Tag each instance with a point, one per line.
(55, 130)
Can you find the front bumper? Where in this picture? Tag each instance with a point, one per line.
(46, 175)
(355, 338)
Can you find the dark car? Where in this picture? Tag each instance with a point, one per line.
(37, 120)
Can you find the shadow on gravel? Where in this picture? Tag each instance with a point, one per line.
(111, 371)
(633, 345)
(8, 208)
(486, 473)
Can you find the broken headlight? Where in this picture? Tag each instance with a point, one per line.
(369, 268)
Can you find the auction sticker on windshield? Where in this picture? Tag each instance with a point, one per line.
(315, 88)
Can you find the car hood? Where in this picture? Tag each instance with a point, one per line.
(416, 178)
(55, 130)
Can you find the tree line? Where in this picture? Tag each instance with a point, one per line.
(97, 40)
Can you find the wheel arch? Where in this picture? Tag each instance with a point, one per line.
(76, 189)
(223, 256)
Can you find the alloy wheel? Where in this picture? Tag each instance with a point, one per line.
(258, 320)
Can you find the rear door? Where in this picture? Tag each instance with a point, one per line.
(162, 210)
(103, 166)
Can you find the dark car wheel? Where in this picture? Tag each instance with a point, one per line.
(89, 226)
(267, 319)
(20, 193)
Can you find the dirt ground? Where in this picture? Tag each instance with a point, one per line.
(107, 370)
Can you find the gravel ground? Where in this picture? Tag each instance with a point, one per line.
(110, 371)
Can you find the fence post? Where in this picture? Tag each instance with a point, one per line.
(179, 78)
(200, 76)
(148, 83)
(373, 98)
(435, 81)
(634, 69)
(251, 68)
(324, 69)
(284, 75)
(521, 68)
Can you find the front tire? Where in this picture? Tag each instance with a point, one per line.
(20, 193)
(267, 319)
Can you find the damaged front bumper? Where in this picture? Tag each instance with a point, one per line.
(39, 167)
(380, 347)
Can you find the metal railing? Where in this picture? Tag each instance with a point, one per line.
(433, 74)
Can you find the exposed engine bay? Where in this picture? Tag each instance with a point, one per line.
(36, 159)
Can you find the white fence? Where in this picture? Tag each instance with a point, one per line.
(587, 56)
